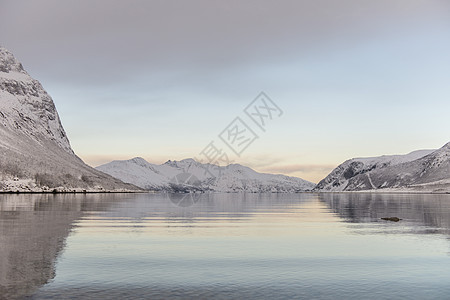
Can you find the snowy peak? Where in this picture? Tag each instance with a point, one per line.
(424, 170)
(35, 153)
(184, 163)
(445, 148)
(392, 159)
(139, 161)
(26, 108)
(9, 63)
(341, 177)
(207, 177)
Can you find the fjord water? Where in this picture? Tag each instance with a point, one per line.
(224, 246)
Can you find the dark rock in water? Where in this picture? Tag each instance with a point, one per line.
(392, 219)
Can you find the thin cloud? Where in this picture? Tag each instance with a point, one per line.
(109, 40)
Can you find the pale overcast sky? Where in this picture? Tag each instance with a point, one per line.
(161, 79)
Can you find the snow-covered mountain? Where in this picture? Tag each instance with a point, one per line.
(425, 170)
(189, 175)
(34, 149)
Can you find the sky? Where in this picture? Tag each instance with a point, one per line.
(162, 79)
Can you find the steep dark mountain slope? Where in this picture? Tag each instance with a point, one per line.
(34, 149)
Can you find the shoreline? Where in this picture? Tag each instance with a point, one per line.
(70, 192)
(384, 192)
(242, 192)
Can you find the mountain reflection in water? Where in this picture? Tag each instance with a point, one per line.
(424, 213)
(169, 246)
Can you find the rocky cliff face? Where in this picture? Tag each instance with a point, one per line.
(34, 149)
(25, 107)
(341, 177)
(424, 170)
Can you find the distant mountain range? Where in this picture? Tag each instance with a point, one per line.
(35, 153)
(36, 156)
(190, 176)
(425, 170)
(418, 171)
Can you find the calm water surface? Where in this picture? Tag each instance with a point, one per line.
(224, 246)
